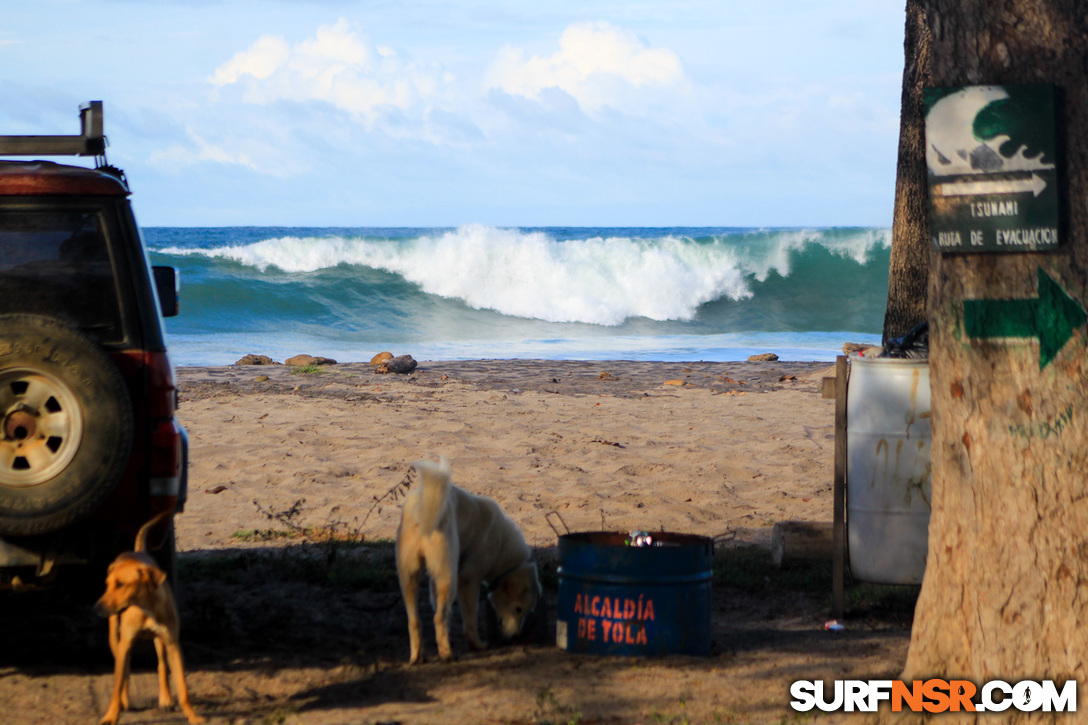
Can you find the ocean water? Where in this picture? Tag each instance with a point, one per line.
(683, 294)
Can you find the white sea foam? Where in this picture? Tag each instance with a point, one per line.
(601, 281)
(781, 247)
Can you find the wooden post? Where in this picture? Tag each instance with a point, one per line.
(838, 545)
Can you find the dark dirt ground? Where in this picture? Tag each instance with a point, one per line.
(316, 633)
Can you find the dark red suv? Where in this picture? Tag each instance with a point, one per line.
(89, 445)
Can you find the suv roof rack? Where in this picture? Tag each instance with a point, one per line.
(91, 142)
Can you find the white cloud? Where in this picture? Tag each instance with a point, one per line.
(200, 149)
(336, 66)
(261, 60)
(256, 152)
(597, 63)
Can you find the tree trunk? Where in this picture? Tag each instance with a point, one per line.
(909, 267)
(1005, 594)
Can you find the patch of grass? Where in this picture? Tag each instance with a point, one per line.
(327, 552)
(227, 567)
(349, 574)
(261, 535)
(279, 716)
(751, 569)
(385, 544)
(333, 533)
(680, 718)
(312, 535)
(886, 601)
(311, 369)
(334, 553)
(305, 563)
(549, 710)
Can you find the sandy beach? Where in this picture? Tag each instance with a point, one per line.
(280, 626)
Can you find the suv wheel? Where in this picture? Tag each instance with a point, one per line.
(65, 424)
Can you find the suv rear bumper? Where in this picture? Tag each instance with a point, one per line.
(93, 540)
(43, 553)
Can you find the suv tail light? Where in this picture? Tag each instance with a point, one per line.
(166, 459)
(162, 399)
(169, 447)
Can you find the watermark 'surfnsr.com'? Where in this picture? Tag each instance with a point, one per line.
(934, 695)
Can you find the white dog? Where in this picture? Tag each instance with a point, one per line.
(464, 541)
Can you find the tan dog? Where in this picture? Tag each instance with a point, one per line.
(138, 599)
(464, 541)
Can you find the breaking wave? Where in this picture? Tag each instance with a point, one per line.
(595, 277)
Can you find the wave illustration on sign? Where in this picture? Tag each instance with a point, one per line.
(970, 131)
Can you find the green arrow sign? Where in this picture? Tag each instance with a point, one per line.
(1051, 317)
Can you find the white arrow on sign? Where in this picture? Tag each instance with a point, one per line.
(1035, 185)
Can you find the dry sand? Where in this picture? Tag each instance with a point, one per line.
(723, 450)
(701, 448)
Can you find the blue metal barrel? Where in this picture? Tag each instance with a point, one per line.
(620, 599)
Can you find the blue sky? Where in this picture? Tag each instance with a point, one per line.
(442, 113)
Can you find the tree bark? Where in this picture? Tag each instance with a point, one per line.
(909, 266)
(1005, 594)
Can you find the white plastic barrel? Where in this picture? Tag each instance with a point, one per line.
(888, 469)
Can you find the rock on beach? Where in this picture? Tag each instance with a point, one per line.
(304, 360)
(252, 359)
(402, 364)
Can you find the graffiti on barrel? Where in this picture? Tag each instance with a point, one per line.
(636, 594)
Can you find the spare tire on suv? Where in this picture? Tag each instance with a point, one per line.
(66, 424)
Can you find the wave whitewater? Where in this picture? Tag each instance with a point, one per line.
(592, 277)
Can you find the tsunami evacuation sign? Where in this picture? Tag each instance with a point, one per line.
(991, 161)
